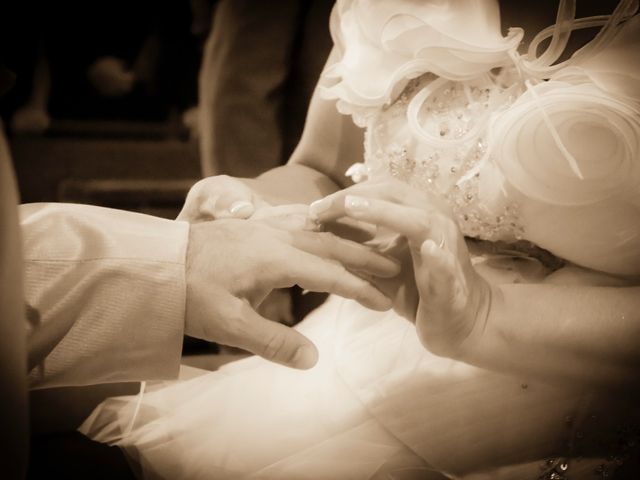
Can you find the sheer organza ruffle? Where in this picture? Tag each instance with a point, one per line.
(569, 144)
(384, 44)
(544, 146)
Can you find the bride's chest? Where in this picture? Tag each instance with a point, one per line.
(440, 136)
(434, 137)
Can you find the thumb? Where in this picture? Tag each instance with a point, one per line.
(273, 341)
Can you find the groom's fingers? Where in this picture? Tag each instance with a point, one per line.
(286, 217)
(352, 255)
(321, 275)
(272, 341)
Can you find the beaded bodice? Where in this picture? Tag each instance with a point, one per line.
(434, 136)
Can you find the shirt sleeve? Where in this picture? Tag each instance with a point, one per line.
(108, 291)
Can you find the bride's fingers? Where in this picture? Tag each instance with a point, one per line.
(414, 223)
(332, 206)
(352, 255)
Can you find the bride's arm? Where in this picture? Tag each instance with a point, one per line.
(577, 334)
(578, 327)
(330, 143)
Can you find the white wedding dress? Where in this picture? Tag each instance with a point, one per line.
(531, 154)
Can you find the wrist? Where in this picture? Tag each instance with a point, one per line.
(190, 281)
(487, 305)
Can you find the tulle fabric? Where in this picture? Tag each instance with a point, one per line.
(254, 419)
(377, 406)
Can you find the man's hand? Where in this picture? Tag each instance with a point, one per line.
(233, 264)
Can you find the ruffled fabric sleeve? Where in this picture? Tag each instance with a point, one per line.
(108, 291)
(383, 45)
(614, 68)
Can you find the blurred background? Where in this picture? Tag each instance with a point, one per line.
(104, 103)
(127, 104)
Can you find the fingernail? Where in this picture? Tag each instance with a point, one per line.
(305, 357)
(355, 204)
(241, 208)
(318, 207)
(429, 246)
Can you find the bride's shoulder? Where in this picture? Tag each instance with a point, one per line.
(569, 155)
(569, 148)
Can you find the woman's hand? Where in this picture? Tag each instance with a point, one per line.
(453, 299)
(218, 197)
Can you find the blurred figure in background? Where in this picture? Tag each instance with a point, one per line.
(121, 60)
(260, 65)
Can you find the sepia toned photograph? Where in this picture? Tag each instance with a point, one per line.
(320, 240)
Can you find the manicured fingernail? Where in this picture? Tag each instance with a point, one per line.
(305, 357)
(318, 207)
(355, 204)
(429, 246)
(241, 208)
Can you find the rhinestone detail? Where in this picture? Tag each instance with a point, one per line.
(450, 115)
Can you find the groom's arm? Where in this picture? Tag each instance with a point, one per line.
(110, 293)
(105, 291)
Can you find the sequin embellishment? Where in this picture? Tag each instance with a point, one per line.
(446, 145)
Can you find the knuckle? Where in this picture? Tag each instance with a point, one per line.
(326, 238)
(340, 280)
(425, 223)
(276, 348)
(232, 330)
